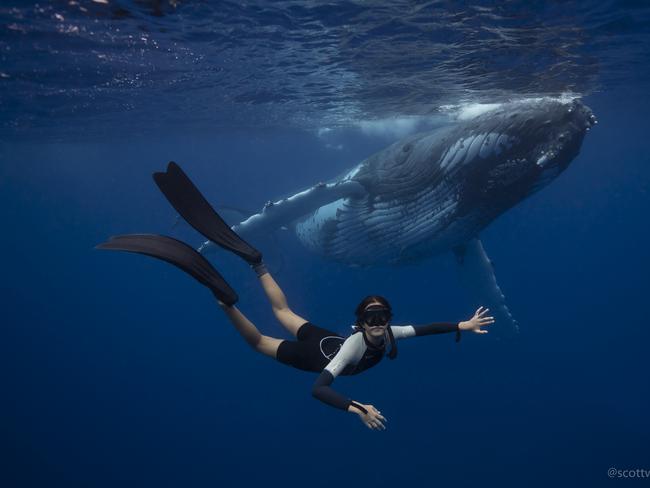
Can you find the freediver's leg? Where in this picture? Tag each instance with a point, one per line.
(289, 320)
(264, 344)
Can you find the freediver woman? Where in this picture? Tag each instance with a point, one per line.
(315, 349)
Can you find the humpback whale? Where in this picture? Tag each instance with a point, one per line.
(435, 191)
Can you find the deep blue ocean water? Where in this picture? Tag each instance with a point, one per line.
(120, 371)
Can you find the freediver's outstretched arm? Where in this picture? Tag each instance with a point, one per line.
(368, 414)
(474, 324)
(351, 351)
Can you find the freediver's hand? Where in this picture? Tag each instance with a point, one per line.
(477, 321)
(372, 419)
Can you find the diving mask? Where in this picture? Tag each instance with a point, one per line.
(376, 316)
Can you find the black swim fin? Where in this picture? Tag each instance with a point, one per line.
(195, 209)
(179, 254)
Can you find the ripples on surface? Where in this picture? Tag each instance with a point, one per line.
(137, 66)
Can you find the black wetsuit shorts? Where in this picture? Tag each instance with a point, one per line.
(313, 349)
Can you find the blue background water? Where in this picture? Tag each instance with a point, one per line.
(120, 371)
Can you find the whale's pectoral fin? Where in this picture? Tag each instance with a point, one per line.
(283, 212)
(477, 275)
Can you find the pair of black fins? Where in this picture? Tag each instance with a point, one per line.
(195, 209)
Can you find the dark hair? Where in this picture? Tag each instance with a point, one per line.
(392, 354)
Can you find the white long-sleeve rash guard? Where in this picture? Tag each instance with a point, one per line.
(357, 354)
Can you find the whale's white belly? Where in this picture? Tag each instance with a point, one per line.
(361, 231)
